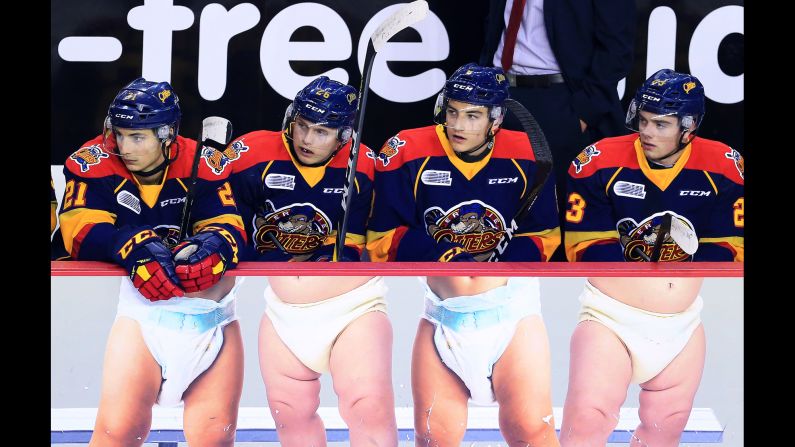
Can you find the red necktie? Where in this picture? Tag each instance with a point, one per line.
(510, 34)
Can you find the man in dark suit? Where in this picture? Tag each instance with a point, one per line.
(564, 59)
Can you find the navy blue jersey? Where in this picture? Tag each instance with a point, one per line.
(616, 202)
(428, 201)
(101, 196)
(291, 211)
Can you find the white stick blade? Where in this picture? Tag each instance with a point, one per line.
(406, 16)
(684, 236)
(216, 128)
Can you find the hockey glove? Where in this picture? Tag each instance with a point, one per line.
(203, 258)
(147, 260)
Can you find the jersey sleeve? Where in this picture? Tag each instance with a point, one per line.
(215, 208)
(722, 238)
(361, 203)
(85, 220)
(589, 222)
(538, 234)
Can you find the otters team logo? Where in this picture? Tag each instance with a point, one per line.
(474, 225)
(218, 160)
(584, 157)
(298, 228)
(390, 149)
(88, 156)
(739, 163)
(642, 237)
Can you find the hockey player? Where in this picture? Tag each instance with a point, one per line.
(663, 181)
(175, 337)
(446, 193)
(289, 185)
(660, 195)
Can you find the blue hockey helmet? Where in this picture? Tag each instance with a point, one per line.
(669, 93)
(474, 84)
(143, 104)
(326, 102)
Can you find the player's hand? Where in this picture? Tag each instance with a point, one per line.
(202, 259)
(148, 262)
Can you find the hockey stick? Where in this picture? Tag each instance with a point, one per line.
(543, 156)
(400, 20)
(662, 233)
(216, 133)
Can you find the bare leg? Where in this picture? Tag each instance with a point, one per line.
(599, 374)
(130, 384)
(522, 380)
(666, 400)
(212, 400)
(440, 397)
(293, 391)
(361, 367)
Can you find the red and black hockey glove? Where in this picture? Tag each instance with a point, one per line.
(148, 262)
(202, 259)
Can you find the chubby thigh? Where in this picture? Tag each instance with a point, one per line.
(311, 289)
(451, 286)
(663, 295)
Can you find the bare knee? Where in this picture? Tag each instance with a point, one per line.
(374, 406)
(590, 421)
(113, 432)
(291, 409)
(520, 430)
(435, 431)
(218, 432)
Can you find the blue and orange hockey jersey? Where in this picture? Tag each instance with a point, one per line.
(616, 201)
(101, 196)
(291, 211)
(428, 201)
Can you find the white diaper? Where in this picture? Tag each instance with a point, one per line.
(473, 331)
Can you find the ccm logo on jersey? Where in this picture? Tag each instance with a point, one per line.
(694, 193)
(332, 190)
(504, 180)
(172, 201)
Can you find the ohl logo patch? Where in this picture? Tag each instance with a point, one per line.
(584, 157)
(642, 237)
(739, 163)
(88, 156)
(299, 228)
(390, 149)
(218, 160)
(474, 225)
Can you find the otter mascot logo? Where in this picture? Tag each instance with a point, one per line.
(299, 228)
(218, 160)
(639, 239)
(88, 156)
(474, 225)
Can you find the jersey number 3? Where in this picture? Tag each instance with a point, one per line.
(577, 208)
